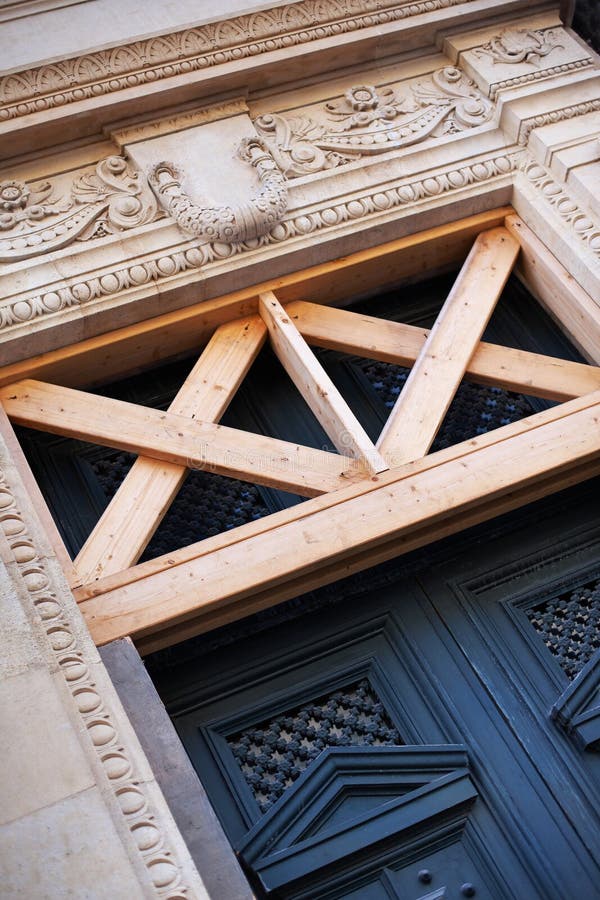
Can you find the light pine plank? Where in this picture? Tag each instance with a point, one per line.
(329, 501)
(130, 349)
(547, 448)
(176, 439)
(317, 388)
(557, 290)
(389, 549)
(394, 342)
(441, 364)
(136, 510)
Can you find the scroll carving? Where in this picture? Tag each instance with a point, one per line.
(229, 224)
(367, 121)
(109, 199)
(520, 45)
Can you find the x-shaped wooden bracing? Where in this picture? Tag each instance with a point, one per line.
(373, 502)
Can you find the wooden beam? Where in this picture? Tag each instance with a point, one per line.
(420, 497)
(557, 290)
(326, 502)
(136, 510)
(317, 388)
(389, 549)
(176, 439)
(394, 342)
(128, 350)
(441, 364)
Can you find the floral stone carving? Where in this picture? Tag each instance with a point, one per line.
(229, 224)
(369, 120)
(520, 45)
(109, 199)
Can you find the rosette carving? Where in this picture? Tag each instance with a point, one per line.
(368, 120)
(109, 199)
(229, 224)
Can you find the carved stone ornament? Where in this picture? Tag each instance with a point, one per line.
(229, 224)
(369, 120)
(520, 45)
(105, 72)
(111, 198)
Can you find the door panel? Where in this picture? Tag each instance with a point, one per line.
(454, 660)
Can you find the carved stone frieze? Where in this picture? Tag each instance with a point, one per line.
(147, 61)
(110, 198)
(521, 45)
(242, 222)
(406, 194)
(367, 121)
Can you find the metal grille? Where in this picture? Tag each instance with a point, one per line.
(273, 754)
(570, 625)
(475, 409)
(206, 504)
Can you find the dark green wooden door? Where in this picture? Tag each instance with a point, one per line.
(398, 741)
(426, 729)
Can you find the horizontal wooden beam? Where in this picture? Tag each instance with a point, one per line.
(557, 290)
(394, 342)
(422, 497)
(359, 561)
(141, 501)
(128, 350)
(177, 439)
(329, 407)
(440, 366)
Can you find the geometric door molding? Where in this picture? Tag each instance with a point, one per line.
(356, 808)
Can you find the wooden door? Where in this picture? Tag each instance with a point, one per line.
(426, 729)
(399, 740)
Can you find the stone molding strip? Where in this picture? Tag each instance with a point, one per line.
(108, 71)
(407, 194)
(579, 220)
(540, 75)
(555, 115)
(71, 650)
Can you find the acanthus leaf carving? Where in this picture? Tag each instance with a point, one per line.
(369, 121)
(229, 224)
(520, 45)
(109, 199)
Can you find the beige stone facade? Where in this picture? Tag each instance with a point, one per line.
(151, 158)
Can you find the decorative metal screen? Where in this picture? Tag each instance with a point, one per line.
(475, 409)
(206, 504)
(274, 753)
(570, 625)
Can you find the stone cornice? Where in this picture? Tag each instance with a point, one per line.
(367, 209)
(95, 74)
